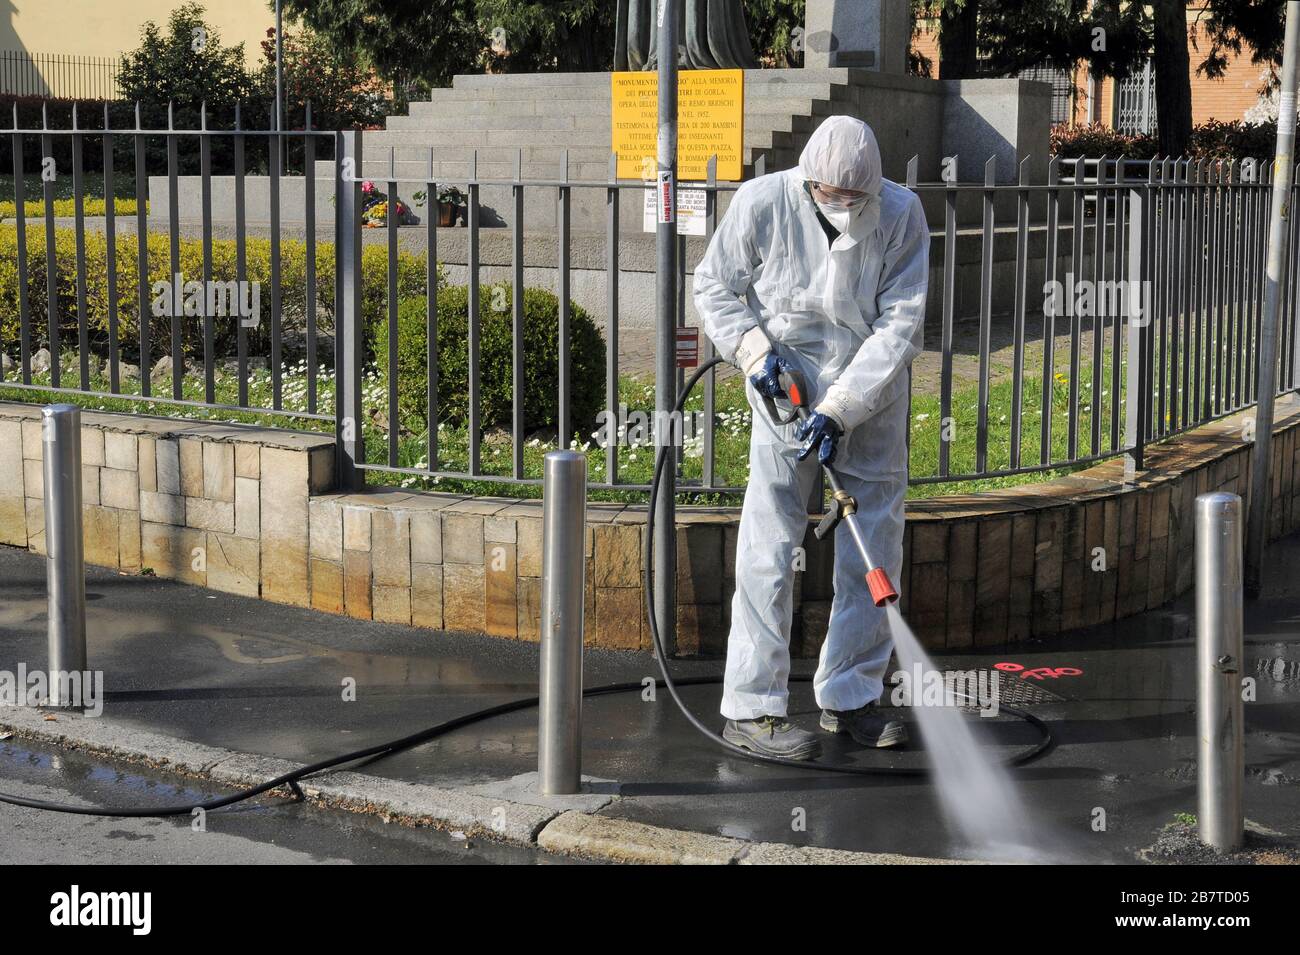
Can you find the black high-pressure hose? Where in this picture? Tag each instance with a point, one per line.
(369, 754)
(392, 747)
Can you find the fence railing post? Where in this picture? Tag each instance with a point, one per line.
(1261, 464)
(1137, 308)
(564, 520)
(665, 540)
(1220, 762)
(349, 328)
(65, 568)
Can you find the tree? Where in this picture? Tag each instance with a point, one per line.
(187, 64)
(342, 93)
(578, 35)
(1256, 24)
(1173, 76)
(432, 40)
(958, 39)
(401, 40)
(528, 36)
(1113, 37)
(776, 31)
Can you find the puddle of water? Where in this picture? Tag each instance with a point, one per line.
(249, 647)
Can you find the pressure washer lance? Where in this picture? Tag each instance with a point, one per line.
(843, 504)
(882, 591)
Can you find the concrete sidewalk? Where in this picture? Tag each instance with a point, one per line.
(253, 688)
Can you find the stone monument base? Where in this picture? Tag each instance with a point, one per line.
(538, 117)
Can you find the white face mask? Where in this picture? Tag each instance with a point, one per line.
(838, 216)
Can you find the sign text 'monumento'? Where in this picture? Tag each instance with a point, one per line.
(710, 118)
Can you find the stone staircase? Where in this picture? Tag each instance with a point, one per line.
(533, 119)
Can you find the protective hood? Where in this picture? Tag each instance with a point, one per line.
(842, 152)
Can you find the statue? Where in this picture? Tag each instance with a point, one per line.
(713, 35)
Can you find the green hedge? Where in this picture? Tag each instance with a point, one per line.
(1209, 141)
(293, 289)
(541, 359)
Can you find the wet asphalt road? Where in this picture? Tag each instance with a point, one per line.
(258, 677)
(259, 832)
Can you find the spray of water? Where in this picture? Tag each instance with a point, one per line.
(975, 792)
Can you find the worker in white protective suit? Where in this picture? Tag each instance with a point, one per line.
(822, 268)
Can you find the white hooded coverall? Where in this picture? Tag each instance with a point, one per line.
(850, 317)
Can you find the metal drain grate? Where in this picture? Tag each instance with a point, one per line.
(1013, 691)
(1024, 692)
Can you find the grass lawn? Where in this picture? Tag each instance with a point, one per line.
(92, 184)
(732, 419)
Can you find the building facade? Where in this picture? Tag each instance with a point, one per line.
(1129, 105)
(71, 47)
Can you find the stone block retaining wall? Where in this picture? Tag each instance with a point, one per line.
(250, 511)
(219, 505)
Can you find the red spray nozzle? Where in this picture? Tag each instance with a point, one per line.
(793, 385)
(882, 591)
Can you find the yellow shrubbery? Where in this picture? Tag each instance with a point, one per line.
(293, 266)
(68, 208)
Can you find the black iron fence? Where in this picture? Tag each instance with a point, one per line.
(58, 75)
(1137, 289)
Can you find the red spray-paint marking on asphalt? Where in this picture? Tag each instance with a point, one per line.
(1038, 673)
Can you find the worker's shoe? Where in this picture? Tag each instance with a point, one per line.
(866, 725)
(772, 736)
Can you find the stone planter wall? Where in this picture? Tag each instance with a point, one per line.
(256, 504)
(219, 505)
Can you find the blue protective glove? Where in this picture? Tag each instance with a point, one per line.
(821, 432)
(768, 381)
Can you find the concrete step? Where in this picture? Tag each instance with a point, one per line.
(409, 160)
(453, 119)
(503, 106)
(557, 139)
(411, 172)
(410, 165)
(424, 109)
(840, 75)
(423, 145)
(795, 87)
(452, 94)
(525, 126)
(496, 80)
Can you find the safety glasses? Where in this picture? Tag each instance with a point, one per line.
(847, 199)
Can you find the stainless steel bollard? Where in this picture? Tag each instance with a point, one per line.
(65, 567)
(1220, 763)
(564, 520)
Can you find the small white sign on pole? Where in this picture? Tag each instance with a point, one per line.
(691, 207)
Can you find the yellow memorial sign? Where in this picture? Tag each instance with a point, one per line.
(710, 122)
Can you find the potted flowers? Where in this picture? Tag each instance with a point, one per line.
(450, 202)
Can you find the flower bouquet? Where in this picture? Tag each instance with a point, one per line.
(374, 208)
